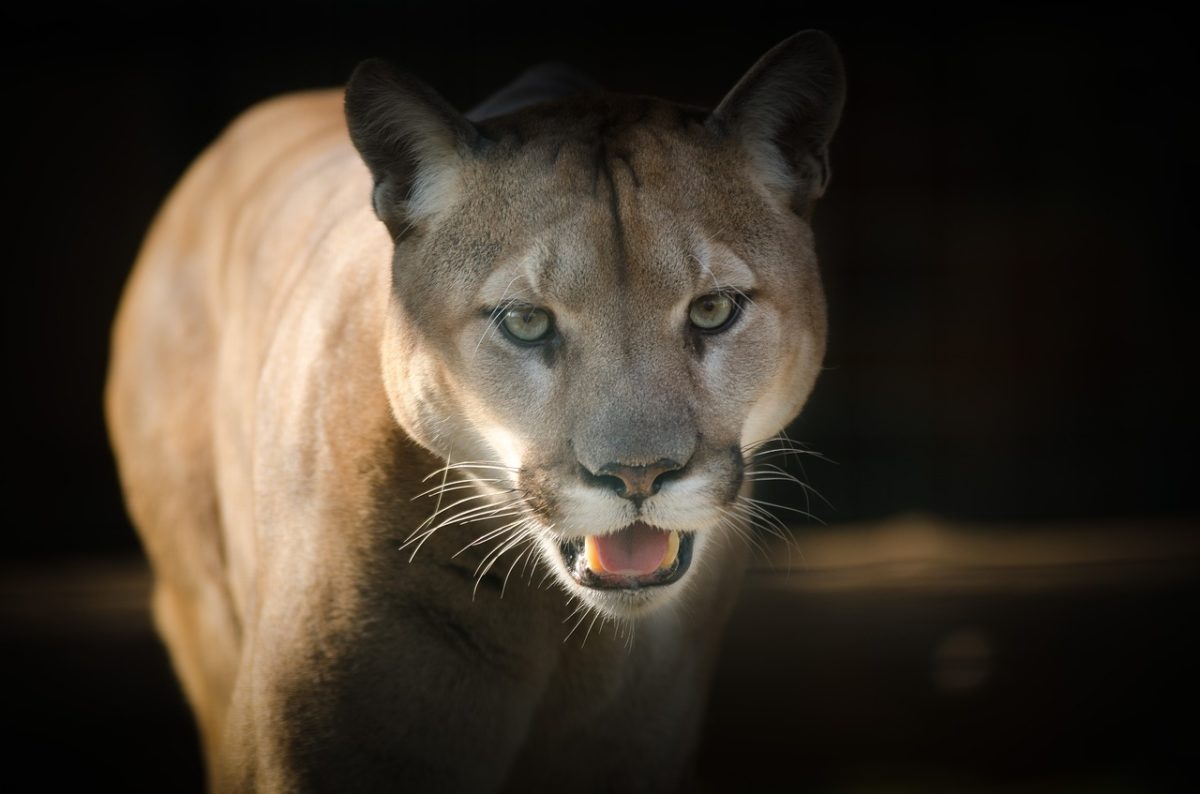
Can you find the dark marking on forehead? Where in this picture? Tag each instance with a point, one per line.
(585, 122)
(572, 150)
(614, 206)
(691, 261)
(600, 169)
(625, 160)
(603, 164)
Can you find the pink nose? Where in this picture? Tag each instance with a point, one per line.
(636, 482)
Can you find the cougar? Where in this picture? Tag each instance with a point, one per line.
(439, 429)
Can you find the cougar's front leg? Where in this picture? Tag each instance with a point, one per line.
(360, 685)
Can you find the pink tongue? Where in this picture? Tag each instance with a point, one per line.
(636, 550)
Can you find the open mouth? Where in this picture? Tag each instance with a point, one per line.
(635, 557)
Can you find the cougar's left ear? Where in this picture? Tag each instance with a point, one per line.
(784, 111)
(413, 141)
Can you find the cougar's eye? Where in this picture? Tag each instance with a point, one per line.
(527, 324)
(713, 312)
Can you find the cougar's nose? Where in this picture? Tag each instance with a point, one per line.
(634, 482)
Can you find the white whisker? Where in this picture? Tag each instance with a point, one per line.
(453, 505)
(470, 464)
(523, 555)
(495, 533)
(582, 618)
(762, 502)
(477, 513)
(520, 535)
(588, 633)
(574, 612)
(454, 486)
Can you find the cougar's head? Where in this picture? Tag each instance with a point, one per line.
(601, 303)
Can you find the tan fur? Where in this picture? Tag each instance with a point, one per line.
(282, 382)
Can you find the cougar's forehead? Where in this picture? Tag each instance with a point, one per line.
(636, 199)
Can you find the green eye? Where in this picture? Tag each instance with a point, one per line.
(712, 312)
(527, 324)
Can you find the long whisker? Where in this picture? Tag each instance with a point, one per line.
(588, 633)
(574, 612)
(532, 558)
(520, 535)
(772, 453)
(430, 532)
(437, 505)
(733, 523)
(470, 464)
(455, 486)
(800, 462)
(762, 502)
(484, 538)
(771, 522)
(765, 477)
(780, 443)
(582, 618)
(453, 505)
(470, 515)
(463, 514)
(523, 555)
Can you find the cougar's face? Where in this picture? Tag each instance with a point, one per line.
(601, 321)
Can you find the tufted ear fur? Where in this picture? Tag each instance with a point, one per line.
(784, 111)
(413, 141)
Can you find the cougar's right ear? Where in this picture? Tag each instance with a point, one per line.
(411, 139)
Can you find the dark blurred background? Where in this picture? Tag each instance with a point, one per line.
(1012, 325)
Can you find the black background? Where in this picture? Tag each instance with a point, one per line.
(1003, 244)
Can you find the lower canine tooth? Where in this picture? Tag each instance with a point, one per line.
(672, 551)
(593, 554)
